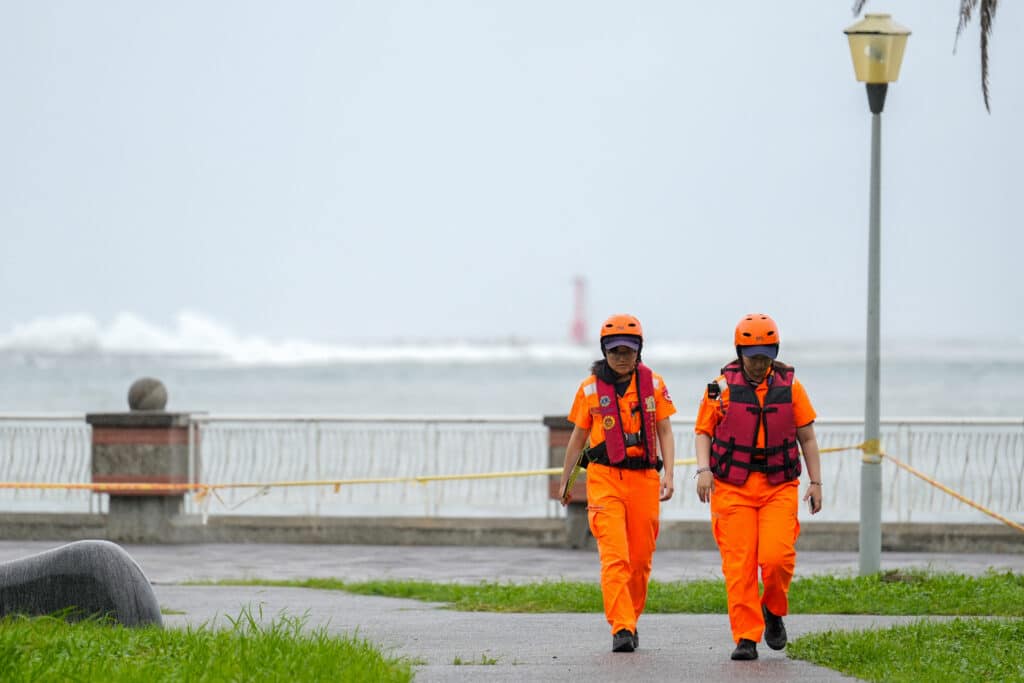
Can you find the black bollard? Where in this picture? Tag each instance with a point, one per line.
(81, 580)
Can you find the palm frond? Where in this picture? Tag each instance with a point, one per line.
(966, 11)
(967, 7)
(988, 14)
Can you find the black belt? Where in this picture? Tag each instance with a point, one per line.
(599, 454)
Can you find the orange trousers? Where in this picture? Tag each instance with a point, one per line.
(755, 525)
(623, 508)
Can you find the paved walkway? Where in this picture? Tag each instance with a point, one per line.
(526, 647)
(180, 563)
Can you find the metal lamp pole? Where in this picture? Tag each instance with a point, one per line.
(870, 533)
(876, 46)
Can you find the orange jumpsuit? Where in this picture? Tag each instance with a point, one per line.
(755, 525)
(622, 504)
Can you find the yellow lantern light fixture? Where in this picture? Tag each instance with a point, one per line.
(876, 47)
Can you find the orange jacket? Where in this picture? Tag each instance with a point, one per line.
(586, 409)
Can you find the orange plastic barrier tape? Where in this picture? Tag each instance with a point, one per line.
(963, 499)
(204, 490)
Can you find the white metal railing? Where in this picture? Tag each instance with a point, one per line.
(982, 458)
(52, 448)
(235, 449)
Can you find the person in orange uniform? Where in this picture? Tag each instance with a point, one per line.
(750, 421)
(623, 408)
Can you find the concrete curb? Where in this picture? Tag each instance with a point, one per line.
(491, 531)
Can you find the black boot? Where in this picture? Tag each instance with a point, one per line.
(636, 639)
(622, 641)
(745, 649)
(774, 630)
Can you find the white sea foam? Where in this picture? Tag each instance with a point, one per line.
(197, 335)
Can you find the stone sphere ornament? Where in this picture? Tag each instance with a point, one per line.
(147, 393)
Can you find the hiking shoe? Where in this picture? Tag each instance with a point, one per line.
(745, 649)
(636, 639)
(774, 630)
(622, 641)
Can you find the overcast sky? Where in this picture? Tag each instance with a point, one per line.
(343, 171)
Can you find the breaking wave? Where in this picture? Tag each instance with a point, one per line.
(194, 335)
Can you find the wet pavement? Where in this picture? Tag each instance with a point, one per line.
(498, 647)
(180, 563)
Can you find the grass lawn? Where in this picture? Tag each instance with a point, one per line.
(967, 650)
(972, 647)
(961, 649)
(51, 649)
(910, 593)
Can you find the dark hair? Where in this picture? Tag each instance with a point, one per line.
(604, 373)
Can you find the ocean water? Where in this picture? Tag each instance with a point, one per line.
(490, 379)
(75, 363)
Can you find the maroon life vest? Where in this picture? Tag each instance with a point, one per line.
(611, 421)
(734, 454)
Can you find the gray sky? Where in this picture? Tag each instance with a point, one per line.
(340, 171)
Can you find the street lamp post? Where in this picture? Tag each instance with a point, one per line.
(876, 46)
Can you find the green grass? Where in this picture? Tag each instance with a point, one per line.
(890, 593)
(912, 593)
(956, 650)
(483, 661)
(967, 650)
(51, 649)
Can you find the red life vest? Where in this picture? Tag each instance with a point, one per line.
(615, 437)
(734, 454)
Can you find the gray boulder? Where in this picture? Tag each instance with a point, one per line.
(89, 577)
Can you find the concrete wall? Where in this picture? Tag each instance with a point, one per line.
(484, 531)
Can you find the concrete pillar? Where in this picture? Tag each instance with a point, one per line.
(144, 446)
(577, 526)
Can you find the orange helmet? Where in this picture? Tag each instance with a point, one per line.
(622, 323)
(622, 330)
(757, 329)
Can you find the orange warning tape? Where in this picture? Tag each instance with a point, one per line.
(963, 499)
(874, 448)
(203, 490)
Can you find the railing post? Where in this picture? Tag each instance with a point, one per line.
(576, 525)
(151, 449)
(319, 491)
(192, 475)
(145, 446)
